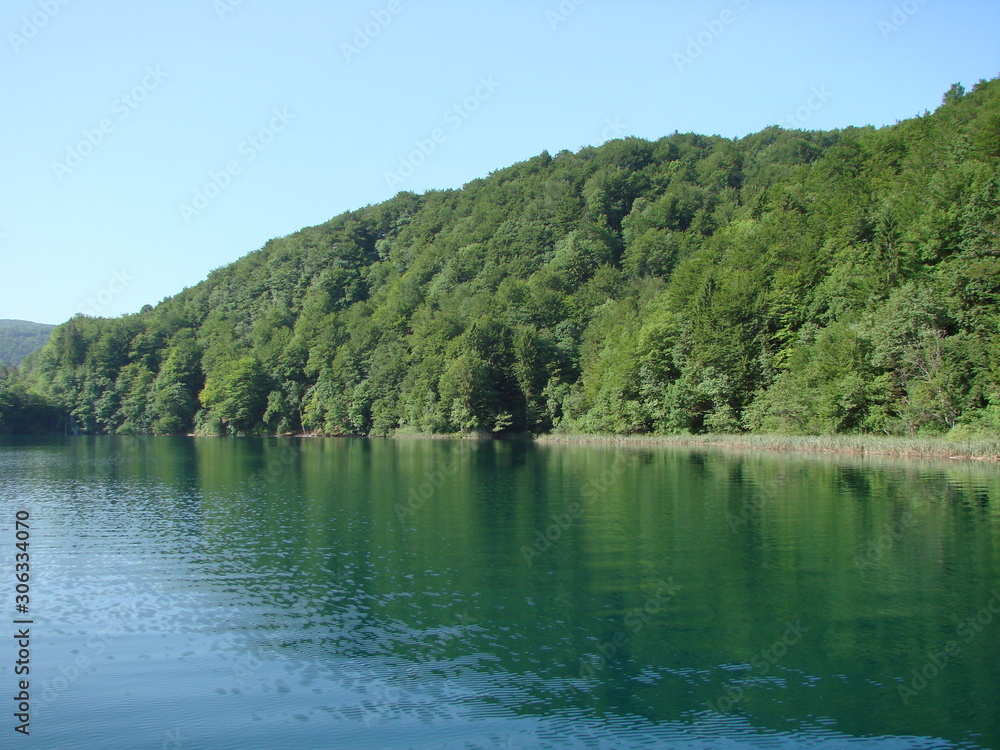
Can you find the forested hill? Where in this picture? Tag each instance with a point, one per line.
(806, 282)
(19, 338)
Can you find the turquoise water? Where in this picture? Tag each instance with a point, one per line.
(264, 593)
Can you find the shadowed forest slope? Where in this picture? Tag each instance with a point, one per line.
(19, 338)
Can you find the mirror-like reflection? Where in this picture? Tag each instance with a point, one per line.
(244, 593)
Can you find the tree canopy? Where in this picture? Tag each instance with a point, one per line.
(788, 281)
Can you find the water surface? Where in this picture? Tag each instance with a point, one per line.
(262, 593)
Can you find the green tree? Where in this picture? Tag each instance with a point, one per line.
(236, 394)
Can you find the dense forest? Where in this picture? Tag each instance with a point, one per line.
(19, 338)
(785, 282)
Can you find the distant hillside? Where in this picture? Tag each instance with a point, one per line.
(789, 281)
(19, 338)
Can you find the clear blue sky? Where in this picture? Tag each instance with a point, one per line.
(180, 89)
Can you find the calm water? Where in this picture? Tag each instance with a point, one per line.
(212, 593)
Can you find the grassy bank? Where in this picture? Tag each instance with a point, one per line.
(977, 449)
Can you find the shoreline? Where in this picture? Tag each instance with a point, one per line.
(981, 449)
(976, 449)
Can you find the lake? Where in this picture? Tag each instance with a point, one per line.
(339, 593)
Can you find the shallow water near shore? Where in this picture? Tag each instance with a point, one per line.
(333, 593)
